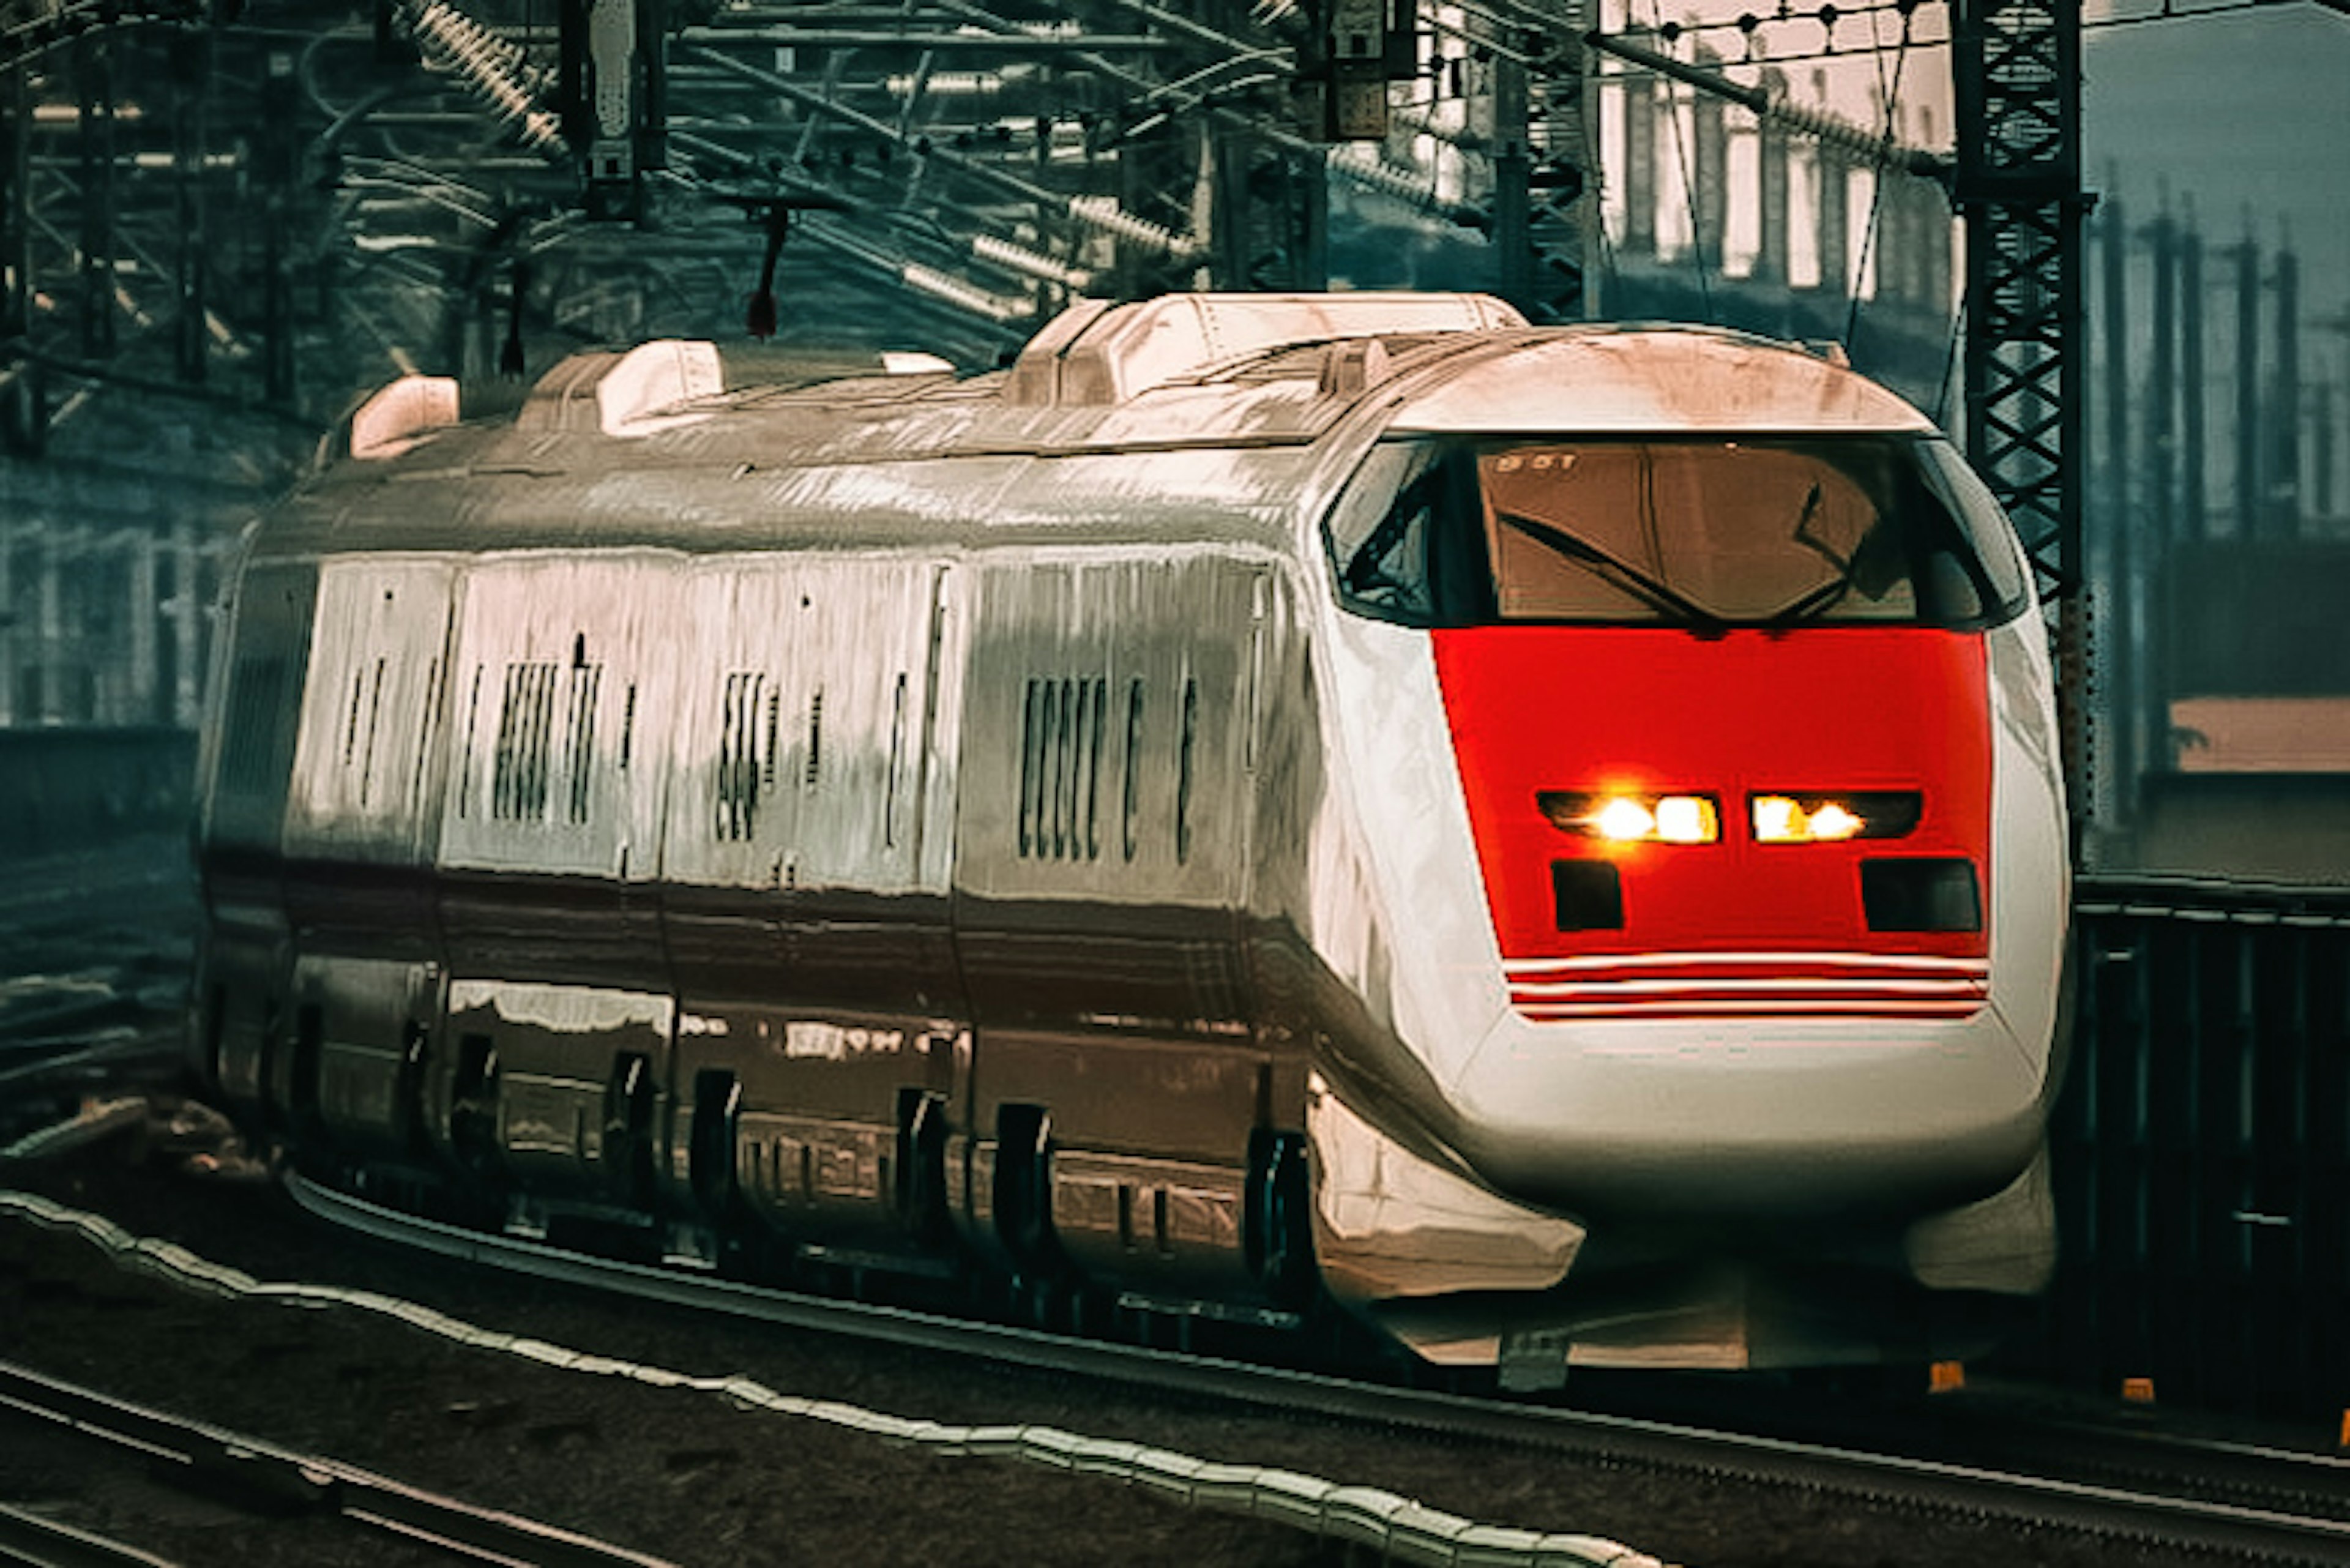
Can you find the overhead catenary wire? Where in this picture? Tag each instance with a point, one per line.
(2171, 12)
(1102, 213)
(496, 72)
(1891, 94)
(2166, 12)
(1878, 150)
(1689, 197)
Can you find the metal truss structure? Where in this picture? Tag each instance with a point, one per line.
(2017, 74)
(274, 210)
(292, 205)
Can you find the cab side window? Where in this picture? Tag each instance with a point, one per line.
(1389, 571)
(1405, 543)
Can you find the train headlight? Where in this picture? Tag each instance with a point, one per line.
(1625, 820)
(1831, 818)
(1633, 818)
(1687, 819)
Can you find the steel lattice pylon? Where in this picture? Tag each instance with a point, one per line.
(1557, 151)
(2017, 77)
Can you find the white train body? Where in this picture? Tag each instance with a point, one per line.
(1157, 816)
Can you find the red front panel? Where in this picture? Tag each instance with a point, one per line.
(1733, 926)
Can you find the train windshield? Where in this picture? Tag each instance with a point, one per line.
(1703, 533)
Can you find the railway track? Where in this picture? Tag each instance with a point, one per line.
(259, 1480)
(1031, 1397)
(2236, 1500)
(93, 990)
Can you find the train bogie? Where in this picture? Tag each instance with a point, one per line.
(1157, 818)
(361, 1026)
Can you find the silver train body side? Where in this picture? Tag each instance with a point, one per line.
(970, 823)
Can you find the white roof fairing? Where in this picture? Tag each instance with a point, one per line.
(1607, 380)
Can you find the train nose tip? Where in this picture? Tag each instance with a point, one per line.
(1765, 1127)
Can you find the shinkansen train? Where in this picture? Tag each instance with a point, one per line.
(1550, 839)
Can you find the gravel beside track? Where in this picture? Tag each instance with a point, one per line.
(688, 1477)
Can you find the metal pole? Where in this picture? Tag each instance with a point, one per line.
(2248, 518)
(1310, 185)
(1639, 168)
(2321, 457)
(191, 87)
(140, 704)
(2113, 578)
(1565, 190)
(1770, 156)
(95, 86)
(2154, 523)
(2162, 392)
(1710, 201)
(49, 679)
(1513, 241)
(2284, 412)
(2016, 74)
(22, 418)
(191, 621)
(279, 102)
(10, 621)
(1834, 241)
(2193, 484)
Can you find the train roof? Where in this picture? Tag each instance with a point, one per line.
(1180, 370)
(1634, 380)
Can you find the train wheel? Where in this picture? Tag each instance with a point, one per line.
(408, 1092)
(717, 1122)
(474, 1109)
(1280, 1239)
(921, 1187)
(628, 1157)
(303, 1119)
(216, 1029)
(1023, 1189)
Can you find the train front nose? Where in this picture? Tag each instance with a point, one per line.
(1778, 1121)
(1740, 888)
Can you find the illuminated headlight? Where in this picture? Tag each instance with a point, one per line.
(1830, 818)
(1633, 818)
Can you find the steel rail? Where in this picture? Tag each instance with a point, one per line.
(27, 1538)
(2270, 1534)
(213, 1459)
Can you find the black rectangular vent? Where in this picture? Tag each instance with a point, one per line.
(1920, 895)
(1588, 894)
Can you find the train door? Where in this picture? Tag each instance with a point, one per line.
(242, 978)
(806, 907)
(1103, 844)
(364, 792)
(559, 1018)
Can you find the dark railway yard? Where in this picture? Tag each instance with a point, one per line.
(97, 944)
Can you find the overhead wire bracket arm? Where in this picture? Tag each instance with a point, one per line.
(1771, 104)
